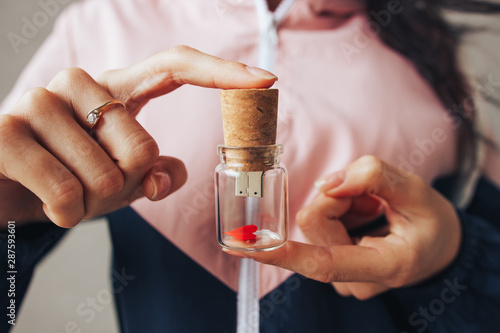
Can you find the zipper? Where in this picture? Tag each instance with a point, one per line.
(249, 273)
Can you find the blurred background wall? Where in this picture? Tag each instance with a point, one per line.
(78, 270)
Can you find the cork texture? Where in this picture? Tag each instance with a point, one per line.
(249, 118)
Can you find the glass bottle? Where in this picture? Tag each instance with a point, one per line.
(251, 198)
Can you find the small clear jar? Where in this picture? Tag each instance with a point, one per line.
(251, 198)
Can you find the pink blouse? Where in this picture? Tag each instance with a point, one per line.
(343, 94)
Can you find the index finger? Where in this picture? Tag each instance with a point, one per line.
(341, 263)
(168, 70)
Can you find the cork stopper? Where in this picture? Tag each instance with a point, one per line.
(249, 118)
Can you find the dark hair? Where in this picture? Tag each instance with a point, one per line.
(421, 34)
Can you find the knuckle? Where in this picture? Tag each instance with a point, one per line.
(104, 76)
(179, 50)
(373, 164)
(398, 280)
(372, 170)
(177, 56)
(69, 77)
(142, 149)
(300, 220)
(341, 289)
(36, 105)
(322, 277)
(273, 262)
(402, 275)
(109, 184)
(34, 98)
(67, 222)
(319, 272)
(325, 277)
(337, 275)
(67, 191)
(421, 187)
(8, 125)
(219, 66)
(305, 218)
(362, 294)
(85, 148)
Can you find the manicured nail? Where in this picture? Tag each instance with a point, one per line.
(330, 181)
(161, 184)
(263, 74)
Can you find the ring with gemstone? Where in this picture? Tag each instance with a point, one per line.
(94, 115)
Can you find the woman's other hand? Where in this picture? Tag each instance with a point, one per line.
(422, 237)
(52, 169)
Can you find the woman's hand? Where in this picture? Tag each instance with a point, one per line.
(50, 168)
(422, 238)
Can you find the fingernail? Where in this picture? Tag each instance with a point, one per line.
(330, 181)
(161, 184)
(263, 74)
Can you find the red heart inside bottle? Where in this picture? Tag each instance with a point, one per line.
(244, 233)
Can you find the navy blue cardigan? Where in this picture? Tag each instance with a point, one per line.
(159, 289)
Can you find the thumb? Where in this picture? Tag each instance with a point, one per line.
(166, 176)
(369, 175)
